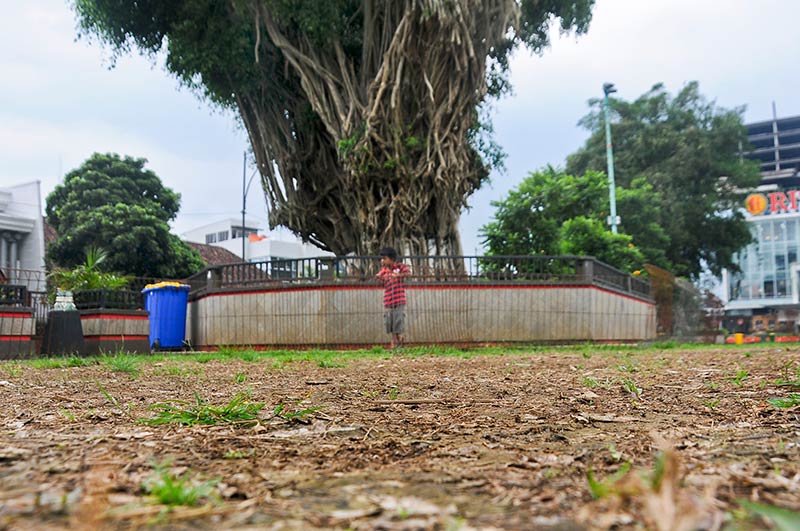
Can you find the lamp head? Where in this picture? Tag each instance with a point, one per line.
(608, 88)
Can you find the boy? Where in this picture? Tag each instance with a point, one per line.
(393, 275)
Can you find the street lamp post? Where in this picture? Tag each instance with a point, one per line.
(613, 219)
(245, 189)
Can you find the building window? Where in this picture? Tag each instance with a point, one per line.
(222, 236)
(211, 238)
(238, 232)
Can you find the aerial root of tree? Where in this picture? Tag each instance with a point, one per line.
(395, 123)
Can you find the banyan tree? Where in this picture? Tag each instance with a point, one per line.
(363, 115)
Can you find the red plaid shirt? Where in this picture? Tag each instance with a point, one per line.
(394, 287)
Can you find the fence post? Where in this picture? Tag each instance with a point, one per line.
(213, 279)
(585, 270)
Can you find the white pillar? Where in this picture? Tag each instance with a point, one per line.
(3, 254)
(13, 260)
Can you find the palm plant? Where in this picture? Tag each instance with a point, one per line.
(88, 275)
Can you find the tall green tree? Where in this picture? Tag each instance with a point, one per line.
(529, 219)
(118, 205)
(685, 150)
(552, 212)
(363, 115)
(585, 236)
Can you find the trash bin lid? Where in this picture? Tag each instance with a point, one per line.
(167, 284)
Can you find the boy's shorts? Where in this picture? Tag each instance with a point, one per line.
(394, 319)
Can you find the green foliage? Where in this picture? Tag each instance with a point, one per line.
(88, 274)
(116, 203)
(281, 412)
(602, 488)
(785, 403)
(739, 377)
(229, 53)
(238, 410)
(121, 362)
(528, 221)
(554, 213)
(784, 519)
(682, 153)
(171, 490)
(582, 236)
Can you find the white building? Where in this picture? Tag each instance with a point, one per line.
(274, 245)
(21, 234)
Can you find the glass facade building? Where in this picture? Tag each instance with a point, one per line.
(765, 294)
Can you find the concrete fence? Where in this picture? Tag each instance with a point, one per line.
(459, 314)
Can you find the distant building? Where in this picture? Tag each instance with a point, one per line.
(21, 235)
(276, 245)
(765, 295)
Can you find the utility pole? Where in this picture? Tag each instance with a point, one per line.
(613, 219)
(244, 198)
(245, 189)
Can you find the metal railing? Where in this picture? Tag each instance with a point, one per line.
(13, 295)
(104, 299)
(535, 269)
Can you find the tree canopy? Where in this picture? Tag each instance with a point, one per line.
(117, 205)
(683, 154)
(363, 115)
(553, 213)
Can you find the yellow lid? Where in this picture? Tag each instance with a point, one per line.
(167, 284)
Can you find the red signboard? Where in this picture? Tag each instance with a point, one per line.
(772, 203)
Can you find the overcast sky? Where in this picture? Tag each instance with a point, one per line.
(60, 102)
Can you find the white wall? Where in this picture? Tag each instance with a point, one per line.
(22, 215)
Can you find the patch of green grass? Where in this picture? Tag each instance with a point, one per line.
(711, 404)
(240, 410)
(121, 362)
(108, 396)
(785, 403)
(241, 377)
(238, 454)
(666, 345)
(330, 364)
(631, 387)
(616, 455)
(12, 370)
(739, 377)
(177, 369)
(172, 490)
(782, 519)
(590, 382)
(67, 414)
(394, 391)
(248, 355)
(281, 412)
(205, 357)
(602, 488)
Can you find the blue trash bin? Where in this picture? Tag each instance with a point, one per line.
(166, 302)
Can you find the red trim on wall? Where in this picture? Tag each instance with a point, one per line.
(421, 288)
(112, 316)
(117, 338)
(23, 315)
(15, 338)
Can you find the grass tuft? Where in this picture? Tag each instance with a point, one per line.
(121, 362)
(171, 490)
(239, 410)
(785, 403)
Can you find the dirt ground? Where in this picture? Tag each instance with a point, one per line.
(411, 441)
